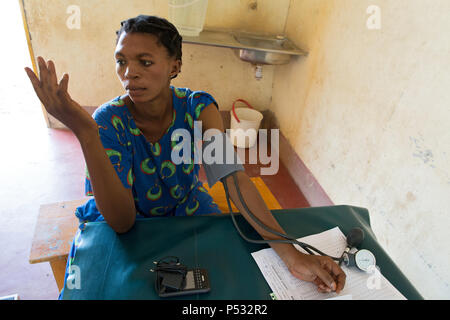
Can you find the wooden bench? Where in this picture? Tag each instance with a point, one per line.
(57, 224)
(55, 228)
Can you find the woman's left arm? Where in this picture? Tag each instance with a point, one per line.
(323, 271)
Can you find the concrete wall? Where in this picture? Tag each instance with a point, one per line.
(87, 53)
(372, 114)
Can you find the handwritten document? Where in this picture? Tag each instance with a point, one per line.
(359, 285)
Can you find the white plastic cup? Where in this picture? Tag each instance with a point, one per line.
(188, 16)
(244, 128)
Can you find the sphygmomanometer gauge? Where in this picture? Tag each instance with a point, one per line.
(363, 259)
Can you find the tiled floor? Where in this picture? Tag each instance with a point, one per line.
(40, 165)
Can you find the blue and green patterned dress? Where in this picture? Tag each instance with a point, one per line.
(160, 188)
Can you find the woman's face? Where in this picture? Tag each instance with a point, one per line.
(143, 66)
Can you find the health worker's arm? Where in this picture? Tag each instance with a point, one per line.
(323, 271)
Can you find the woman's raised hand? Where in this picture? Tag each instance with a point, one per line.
(57, 100)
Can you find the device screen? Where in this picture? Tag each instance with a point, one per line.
(190, 282)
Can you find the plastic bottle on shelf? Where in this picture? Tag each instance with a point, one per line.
(188, 16)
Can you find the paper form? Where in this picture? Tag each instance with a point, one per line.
(341, 297)
(359, 285)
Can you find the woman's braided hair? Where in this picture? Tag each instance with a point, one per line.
(166, 33)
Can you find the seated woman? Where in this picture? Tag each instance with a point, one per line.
(127, 145)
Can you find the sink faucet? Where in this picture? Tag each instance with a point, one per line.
(258, 72)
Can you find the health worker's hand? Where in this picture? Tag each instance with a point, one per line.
(322, 271)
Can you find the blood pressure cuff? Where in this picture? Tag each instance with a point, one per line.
(219, 158)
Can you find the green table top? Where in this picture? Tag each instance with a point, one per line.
(113, 266)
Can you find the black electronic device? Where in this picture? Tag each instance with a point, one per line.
(174, 279)
(196, 281)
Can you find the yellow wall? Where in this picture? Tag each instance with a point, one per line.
(372, 121)
(87, 54)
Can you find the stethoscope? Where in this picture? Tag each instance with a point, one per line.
(363, 259)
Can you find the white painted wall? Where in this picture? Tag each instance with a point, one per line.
(372, 114)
